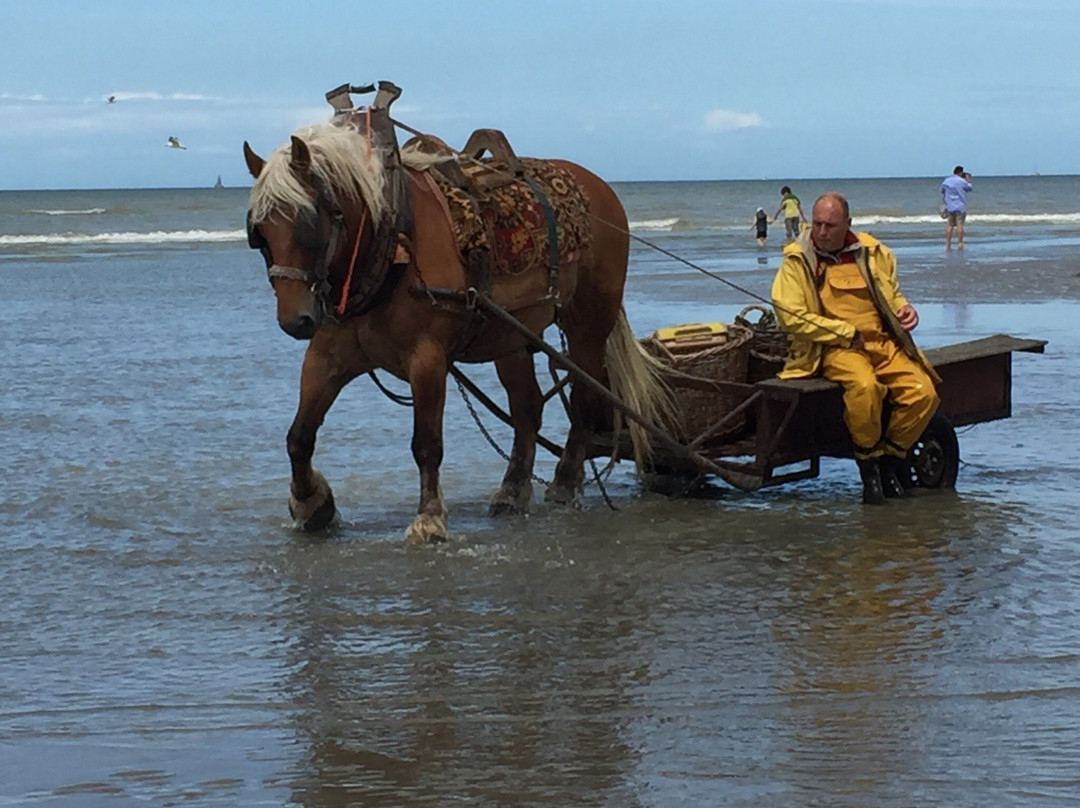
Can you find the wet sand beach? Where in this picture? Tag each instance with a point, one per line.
(167, 638)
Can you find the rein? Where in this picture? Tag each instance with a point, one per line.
(317, 279)
(344, 299)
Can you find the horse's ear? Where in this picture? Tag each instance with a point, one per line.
(255, 163)
(301, 156)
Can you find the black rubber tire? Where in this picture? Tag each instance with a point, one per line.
(934, 460)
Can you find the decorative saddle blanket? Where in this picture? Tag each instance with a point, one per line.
(508, 220)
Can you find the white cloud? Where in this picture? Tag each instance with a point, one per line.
(15, 97)
(725, 120)
(193, 97)
(128, 95)
(153, 95)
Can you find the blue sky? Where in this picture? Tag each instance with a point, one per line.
(633, 90)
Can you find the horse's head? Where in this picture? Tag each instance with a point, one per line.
(297, 225)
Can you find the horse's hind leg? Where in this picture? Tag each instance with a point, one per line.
(518, 377)
(311, 502)
(586, 348)
(588, 319)
(427, 378)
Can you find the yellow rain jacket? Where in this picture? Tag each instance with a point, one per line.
(798, 305)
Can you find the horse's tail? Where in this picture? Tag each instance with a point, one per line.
(637, 378)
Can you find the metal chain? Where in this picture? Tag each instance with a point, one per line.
(592, 462)
(486, 434)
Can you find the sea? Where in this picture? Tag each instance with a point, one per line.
(168, 638)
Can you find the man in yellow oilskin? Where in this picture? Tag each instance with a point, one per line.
(837, 294)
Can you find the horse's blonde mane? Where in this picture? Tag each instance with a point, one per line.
(339, 157)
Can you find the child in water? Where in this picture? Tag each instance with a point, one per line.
(761, 224)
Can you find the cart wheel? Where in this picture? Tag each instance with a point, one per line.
(935, 457)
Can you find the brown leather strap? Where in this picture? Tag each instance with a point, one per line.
(437, 193)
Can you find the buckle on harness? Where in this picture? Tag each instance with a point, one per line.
(471, 295)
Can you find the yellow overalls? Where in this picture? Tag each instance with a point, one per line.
(868, 376)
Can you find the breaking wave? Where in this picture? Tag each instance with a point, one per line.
(655, 224)
(87, 212)
(995, 218)
(155, 237)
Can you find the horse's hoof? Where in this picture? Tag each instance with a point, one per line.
(511, 502)
(558, 494)
(427, 529)
(317, 511)
(497, 509)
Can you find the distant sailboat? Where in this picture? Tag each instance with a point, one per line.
(218, 183)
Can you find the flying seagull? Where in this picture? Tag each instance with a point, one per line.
(174, 144)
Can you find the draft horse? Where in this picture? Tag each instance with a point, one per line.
(315, 209)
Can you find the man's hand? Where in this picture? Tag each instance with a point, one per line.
(908, 317)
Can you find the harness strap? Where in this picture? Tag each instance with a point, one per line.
(292, 273)
(553, 239)
(438, 194)
(549, 216)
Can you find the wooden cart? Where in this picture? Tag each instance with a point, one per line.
(791, 424)
(785, 426)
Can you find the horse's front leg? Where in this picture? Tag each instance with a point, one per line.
(518, 376)
(311, 502)
(427, 378)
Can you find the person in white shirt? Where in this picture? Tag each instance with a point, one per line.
(954, 189)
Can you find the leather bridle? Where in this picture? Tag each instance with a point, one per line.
(316, 279)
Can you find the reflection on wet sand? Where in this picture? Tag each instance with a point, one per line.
(458, 690)
(863, 619)
(870, 612)
(959, 314)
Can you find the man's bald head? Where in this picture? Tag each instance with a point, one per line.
(832, 221)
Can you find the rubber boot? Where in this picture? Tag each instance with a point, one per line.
(870, 471)
(891, 470)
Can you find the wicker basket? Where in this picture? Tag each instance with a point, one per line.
(768, 346)
(714, 352)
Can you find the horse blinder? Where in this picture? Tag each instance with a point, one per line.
(316, 232)
(255, 239)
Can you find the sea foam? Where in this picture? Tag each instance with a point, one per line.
(655, 224)
(86, 212)
(997, 218)
(155, 237)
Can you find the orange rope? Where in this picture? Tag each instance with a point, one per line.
(352, 263)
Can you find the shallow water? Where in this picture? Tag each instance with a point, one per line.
(166, 638)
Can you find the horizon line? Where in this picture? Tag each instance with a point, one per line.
(780, 178)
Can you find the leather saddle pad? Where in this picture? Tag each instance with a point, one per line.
(502, 215)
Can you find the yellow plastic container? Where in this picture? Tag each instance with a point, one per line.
(692, 335)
